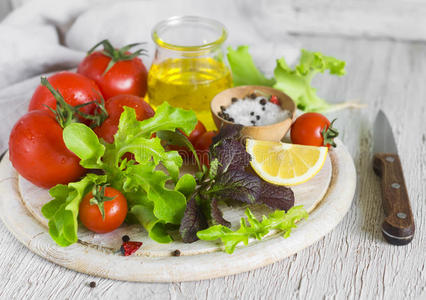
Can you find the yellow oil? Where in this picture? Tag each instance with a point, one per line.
(189, 83)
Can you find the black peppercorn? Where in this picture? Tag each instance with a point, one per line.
(234, 99)
(92, 284)
(253, 96)
(222, 108)
(253, 122)
(263, 101)
(258, 117)
(263, 108)
(252, 113)
(176, 252)
(125, 238)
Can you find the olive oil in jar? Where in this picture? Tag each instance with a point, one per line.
(188, 83)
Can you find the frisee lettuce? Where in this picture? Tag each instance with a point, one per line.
(151, 203)
(278, 220)
(295, 82)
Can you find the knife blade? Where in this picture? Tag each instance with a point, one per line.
(398, 226)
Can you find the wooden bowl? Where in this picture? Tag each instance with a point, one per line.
(274, 132)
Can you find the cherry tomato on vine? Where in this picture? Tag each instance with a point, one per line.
(197, 132)
(116, 71)
(103, 210)
(74, 88)
(313, 129)
(114, 107)
(202, 145)
(38, 152)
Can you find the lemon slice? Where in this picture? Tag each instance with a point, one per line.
(285, 164)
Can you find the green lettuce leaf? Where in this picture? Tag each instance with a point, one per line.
(244, 71)
(295, 82)
(279, 220)
(62, 211)
(155, 197)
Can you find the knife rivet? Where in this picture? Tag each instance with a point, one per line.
(390, 159)
(401, 215)
(395, 185)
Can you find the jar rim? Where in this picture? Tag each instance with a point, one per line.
(176, 20)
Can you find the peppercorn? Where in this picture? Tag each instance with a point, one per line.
(258, 117)
(92, 284)
(234, 99)
(125, 238)
(263, 101)
(253, 96)
(253, 122)
(263, 108)
(252, 113)
(176, 252)
(222, 108)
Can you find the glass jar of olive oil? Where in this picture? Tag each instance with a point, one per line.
(189, 67)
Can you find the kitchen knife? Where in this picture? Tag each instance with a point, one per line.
(398, 226)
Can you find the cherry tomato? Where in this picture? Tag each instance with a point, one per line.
(313, 129)
(114, 107)
(126, 76)
(75, 88)
(38, 152)
(202, 145)
(197, 132)
(115, 212)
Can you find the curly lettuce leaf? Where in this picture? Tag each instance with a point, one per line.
(278, 220)
(62, 211)
(140, 179)
(244, 71)
(295, 82)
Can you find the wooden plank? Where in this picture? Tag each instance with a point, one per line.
(353, 18)
(351, 262)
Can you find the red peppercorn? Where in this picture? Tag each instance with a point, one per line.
(274, 99)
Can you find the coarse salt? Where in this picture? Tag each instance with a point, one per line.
(251, 112)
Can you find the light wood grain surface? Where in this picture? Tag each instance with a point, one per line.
(353, 261)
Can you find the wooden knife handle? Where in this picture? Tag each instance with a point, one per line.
(398, 226)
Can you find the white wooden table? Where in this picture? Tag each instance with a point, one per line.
(353, 261)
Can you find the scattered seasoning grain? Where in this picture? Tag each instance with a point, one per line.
(252, 113)
(222, 108)
(253, 122)
(253, 96)
(258, 117)
(263, 108)
(125, 238)
(92, 284)
(262, 101)
(234, 99)
(176, 252)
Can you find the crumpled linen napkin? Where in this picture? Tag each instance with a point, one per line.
(44, 36)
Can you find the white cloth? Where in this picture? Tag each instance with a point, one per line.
(45, 36)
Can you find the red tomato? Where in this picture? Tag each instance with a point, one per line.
(38, 152)
(115, 212)
(75, 88)
(114, 107)
(202, 145)
(184, 152)
(197, 132)
(127, 76)
(313, 129)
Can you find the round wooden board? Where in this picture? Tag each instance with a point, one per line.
(327, 197)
